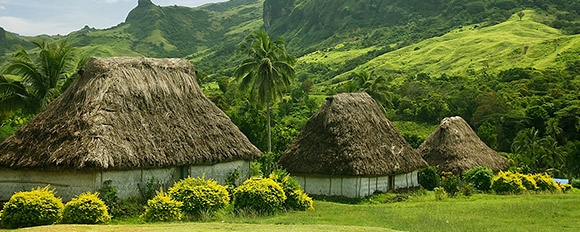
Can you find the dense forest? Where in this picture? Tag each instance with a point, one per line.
(419, 59)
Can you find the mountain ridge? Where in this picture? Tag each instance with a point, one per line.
(208, 35)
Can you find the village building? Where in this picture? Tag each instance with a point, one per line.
(126, 120)
(349, 148)
(455, 147)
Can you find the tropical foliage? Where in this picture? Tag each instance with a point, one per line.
(267, 72)
(41, 78)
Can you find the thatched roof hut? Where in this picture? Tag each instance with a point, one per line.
(350, 136)
(455, 147)
(128, 113)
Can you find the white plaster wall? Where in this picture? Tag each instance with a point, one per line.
(336, 186)
(127, 181)
(317, 186)
(219, 172)
(414, 179)
(406, 180)
(364, 187)
(66, 183)
(383, 184)
(301, 181)
(400, 181)
(350, 187)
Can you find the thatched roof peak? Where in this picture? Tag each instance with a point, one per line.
(455, 147)
(128, 113)
(350, 136)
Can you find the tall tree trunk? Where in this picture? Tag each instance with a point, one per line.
(269, 130)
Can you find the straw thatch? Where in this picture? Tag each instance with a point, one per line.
(455, 147)
(128, 113)
(350, 136)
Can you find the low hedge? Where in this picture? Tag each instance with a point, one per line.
(34, 208)
(262, 195)
(86, 208)
(200, 195)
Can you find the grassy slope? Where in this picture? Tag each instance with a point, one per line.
(497, 47)
(481, 212)
(422, 130)
(215, 29)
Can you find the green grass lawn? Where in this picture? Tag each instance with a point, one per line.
(481, 212)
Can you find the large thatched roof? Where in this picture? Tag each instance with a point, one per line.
(455, 147)
(350, 136)
(126, 113)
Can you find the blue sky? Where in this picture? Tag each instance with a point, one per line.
(51, 17)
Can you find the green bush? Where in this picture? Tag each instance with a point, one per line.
(35, 208)
(450, 183)
(296, 198)
(428, 178)
(546, 183)
(480, 177)
(87, 208)
(108, 194)
(440, 193)
(507, 182)
(575, 184)
(467, 190)
(528, 182)
(199, 195)
(149, 188)
(162, 208)
(262, 195)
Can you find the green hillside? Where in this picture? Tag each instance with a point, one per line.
(422, 60)
(515, 43)
(206, 35)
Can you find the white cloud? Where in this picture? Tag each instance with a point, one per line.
(27, 27)
(111, 1)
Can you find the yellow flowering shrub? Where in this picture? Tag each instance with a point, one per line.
(528, 182)
(546, 183)
(296, 198)
(263, 195)
(162, 208)
(565, 187)
(440, 193)
(35, 208)
(507, 182)
(86, 208)
(200, 195)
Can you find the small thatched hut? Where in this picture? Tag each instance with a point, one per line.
(455, 147)
(125, 120)
(349, 148)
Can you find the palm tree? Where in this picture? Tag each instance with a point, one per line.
(552, 127)
(373, 85)
(553, 153)
(527, 144)
(266, 72)
(42, 79)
